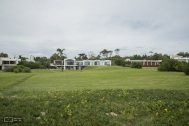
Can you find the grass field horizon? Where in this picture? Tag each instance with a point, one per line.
(97, 78)
(90, 96)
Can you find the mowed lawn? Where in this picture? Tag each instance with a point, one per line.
(109, 77)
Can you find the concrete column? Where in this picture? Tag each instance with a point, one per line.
(151, 63)
(64, 67)
(74, 68)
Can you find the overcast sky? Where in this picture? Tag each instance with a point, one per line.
(39, 27)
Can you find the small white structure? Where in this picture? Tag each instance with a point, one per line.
(179, 58)
(57, 63)
(72, 64)
(8, 62)
(31, 59)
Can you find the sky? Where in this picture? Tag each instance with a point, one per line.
(39, 27)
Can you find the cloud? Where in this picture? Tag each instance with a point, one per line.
(29, 27)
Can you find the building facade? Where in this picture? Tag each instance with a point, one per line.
(72, 64)
(8, 62)
(146, 63)
(179, 58)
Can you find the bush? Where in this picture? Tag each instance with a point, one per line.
(136, 65)
(7, 69)
(186, 68)
(171, 65)
(179, 67)
(32, 65)
(26, 70)
(123, 63)
(18, 69)
(118, 62)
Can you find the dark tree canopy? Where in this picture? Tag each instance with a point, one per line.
(3, 55)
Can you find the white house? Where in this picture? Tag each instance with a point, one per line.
(72, 64)
(179, 58)
(57, 63)
(8, 62)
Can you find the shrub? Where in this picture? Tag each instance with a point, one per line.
(7, 69)
(16, 70)
(32, 65)
(136, 65)
(26, 70)
(123, 63)
(171, 65)
(120, 62)
(186, 68)
(179, 67)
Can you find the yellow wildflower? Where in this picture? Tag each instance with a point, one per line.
(69, 112)
(2, 97)
(68, 106)
(82, 101)
(156, 113)
(165, 110)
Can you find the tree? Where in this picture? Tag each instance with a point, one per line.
(184, 54)
(117, 51)
(91, 55)
(104, 53)
(60, 52)
(82, 56)
(3, 55)
(22, 58)
(43, 61)
(110, 53)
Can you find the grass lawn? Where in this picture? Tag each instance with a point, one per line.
(95, 96)
(98, 78)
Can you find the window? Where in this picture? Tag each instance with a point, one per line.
(70, 63)
(87, 63)
(12, 62)
(5, 62)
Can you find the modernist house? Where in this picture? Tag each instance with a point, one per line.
(179, 58)
(8, 62)
(72, 64)
(146, 63)
(57, 63)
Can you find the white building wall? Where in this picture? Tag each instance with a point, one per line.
(92, 63)
(16, 60)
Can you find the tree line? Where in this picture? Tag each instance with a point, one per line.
(105, 54)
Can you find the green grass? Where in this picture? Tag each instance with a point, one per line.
(138, 97)
(98, 78)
